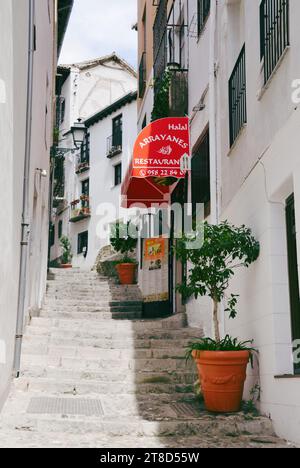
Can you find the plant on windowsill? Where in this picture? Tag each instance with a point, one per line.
(221, 363)
(124, 243)
(66, 258)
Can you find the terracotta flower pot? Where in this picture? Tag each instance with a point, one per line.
(126, 272)
(65, 265)
(222, 375)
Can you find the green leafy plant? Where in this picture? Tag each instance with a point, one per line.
(122, 241)
(161, 108)
(227, 344)
(67, 249)
(249, 406)
(225, 249)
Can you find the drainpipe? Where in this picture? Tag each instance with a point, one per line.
(213, 117)
(25, 209)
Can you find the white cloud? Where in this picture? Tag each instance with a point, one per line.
(99, 27)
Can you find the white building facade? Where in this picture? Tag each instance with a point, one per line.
(28, 54)
(103, 94)
(243, 68)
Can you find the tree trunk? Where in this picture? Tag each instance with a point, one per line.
(216, 320)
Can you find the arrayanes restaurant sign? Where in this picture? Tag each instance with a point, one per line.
(162, 149)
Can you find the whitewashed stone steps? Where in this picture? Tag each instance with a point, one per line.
(98, 388)
(92, 315)
(113, 376)
(73, 339)
(81, 362)
(113, 326)
(137, 427)
(90, 344)
(105, 354)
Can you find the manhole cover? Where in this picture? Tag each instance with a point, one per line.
(184, 410)
(71, 406)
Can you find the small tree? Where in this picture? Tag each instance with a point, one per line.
(225, 248)
(67, 249)
(122, 241)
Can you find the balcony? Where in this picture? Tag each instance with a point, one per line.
(142, 76)
(178, 93)
(83, 163)
(171, 97)
(82, 166)
(114, 145)
(80, 209)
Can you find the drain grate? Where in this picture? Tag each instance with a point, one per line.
(67, 406)
(186, 410)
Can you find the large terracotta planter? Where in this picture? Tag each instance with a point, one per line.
(126, 272)
(222, 375)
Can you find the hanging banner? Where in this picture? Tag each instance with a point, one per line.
(162, 149)
(155, 249)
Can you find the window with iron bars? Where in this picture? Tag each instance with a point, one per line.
(142, 75)
(203, 9)
(237, 97)
(60, 110)
(274, 33)
(85, 150)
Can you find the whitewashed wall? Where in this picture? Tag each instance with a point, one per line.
(257, 175)
(13, 80)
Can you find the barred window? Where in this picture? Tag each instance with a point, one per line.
(274, 33)
(203, 9)
(237, 97)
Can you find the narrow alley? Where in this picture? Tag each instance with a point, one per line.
(94, 375)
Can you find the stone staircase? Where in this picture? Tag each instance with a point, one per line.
(95, 375)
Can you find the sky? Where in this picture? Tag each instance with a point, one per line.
(100, 27)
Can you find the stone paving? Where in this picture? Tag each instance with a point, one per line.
(95, 375)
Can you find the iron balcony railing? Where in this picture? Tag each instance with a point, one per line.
(178, 94)
(114, 144)
(59, 177)
(160, 44)
(142, 75)
(80, 209)
(203, 9)
(274, 33)
(237, 97)
(169, 39)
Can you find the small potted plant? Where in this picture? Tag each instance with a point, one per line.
(221, 363)
(124, 244)
(66, 257)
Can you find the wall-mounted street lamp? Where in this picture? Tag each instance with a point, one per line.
(79, 132)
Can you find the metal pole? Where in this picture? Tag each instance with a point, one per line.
(25, 210)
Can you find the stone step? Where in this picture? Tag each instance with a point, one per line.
(27, 439)
(71, 339)
(92, 314)
(96, 387)
(175, 322)
(101, 306)
(139, 417)
(82, 362)
(113, 335)
(114, 376)
(93, 302)
(174, 352)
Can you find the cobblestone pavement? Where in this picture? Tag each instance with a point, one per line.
(95, 375)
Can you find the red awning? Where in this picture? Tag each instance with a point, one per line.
(161, 151)
(136, 191)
